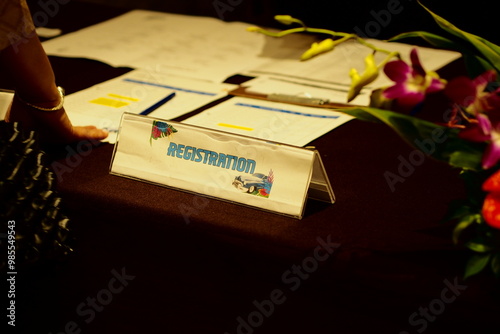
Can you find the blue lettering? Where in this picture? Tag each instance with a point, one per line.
(187, 153)
(213, 158)
(171, 149)
(180, 151)
(241, 164)
(250, 166)
(198, 154)
(222, 160)
(231, 158)
(207, 154)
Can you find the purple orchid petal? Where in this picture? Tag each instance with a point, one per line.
(397, 70)
(415, 62)
(491, 155)
(435, 86)
(405, 96)
(493, 100)
(484, 124)
(411, 99)
(396, 91)
(478, 132)
(411, 82)
(482, 80)
(461, 90)
(474, 134)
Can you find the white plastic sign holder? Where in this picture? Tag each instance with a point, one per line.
(253, 172)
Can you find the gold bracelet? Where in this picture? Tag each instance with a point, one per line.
(58, 107)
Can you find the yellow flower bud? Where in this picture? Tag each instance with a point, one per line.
(318, 48)
(285, 19)
(253, 29)
(353, 73)
(359, 81)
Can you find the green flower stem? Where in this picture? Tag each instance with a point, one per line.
(344, 39)
(390, 54)
(389, 57)
(300, 29)
(344, 36)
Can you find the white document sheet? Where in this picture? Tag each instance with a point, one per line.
(5, 101)
(333, 68)
(278, 122)
(210, 49)
(103, 105)
(268, 84)
(197, 47)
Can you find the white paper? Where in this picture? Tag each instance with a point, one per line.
(5, 102)
(332, 68)
(209, 49)
(266, 84)
(103, 105)
(197, 47)
(279, 122)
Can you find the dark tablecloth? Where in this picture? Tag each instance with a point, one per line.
(150, 259)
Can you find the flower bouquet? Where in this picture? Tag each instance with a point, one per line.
(465, 134)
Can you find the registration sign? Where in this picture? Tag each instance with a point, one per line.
(244, 170)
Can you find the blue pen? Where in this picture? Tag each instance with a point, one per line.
(158, 104)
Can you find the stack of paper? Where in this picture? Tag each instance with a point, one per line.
(104, 104)
(192, 56)
(277, 122)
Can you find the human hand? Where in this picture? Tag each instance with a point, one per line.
(53, 127)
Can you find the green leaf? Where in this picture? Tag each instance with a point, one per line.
(477, 247)
(458, 209)
(467, 156)
(495, 264)
(476, 264)
(442, 143)
(460, 227)
(476, 65)
(489, 51)
(433, 39)
(473, 187)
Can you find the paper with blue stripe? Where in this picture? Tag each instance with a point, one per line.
(140, 92)
(273, 121)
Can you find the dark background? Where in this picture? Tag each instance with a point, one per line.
(476, 17)
(395, 254)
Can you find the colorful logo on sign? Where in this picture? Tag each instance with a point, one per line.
(161, 129)
(257, 184)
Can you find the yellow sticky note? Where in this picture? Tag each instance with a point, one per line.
(235, 126)
(110, 102)
(124, 97)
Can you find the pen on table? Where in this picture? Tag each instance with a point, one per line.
(158, 104)
(297, 99)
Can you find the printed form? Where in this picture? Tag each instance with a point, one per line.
(203, 48)
(273, 121)
(103, 105)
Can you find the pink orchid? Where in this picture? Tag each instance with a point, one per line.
(485, 130)
(412, 83)
(471, 94)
